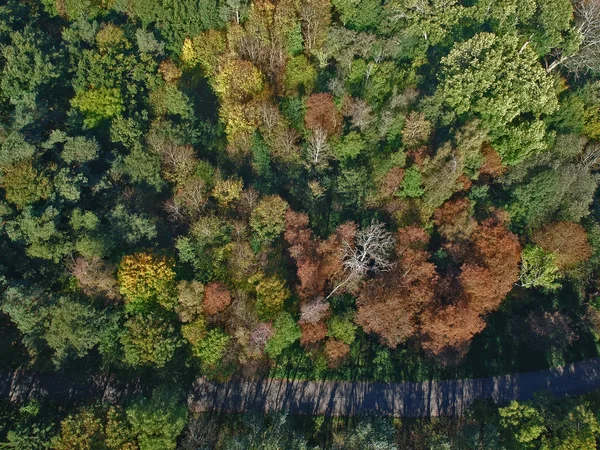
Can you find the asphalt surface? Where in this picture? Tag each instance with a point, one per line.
(337, 398)
(408, 399)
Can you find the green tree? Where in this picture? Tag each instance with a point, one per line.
(491, 78)
(538, 269)
(523, 424)
(287, 332)
(211, 347)
(98, 105)
(149, 339)
(342, 328)
(73, 329)
(157, 421)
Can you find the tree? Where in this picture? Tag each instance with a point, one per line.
(315, 16)
(286, 333)
(95, 277)
(342, 329)
(336, 351)
(98, 105)
(523, 423)
(24, 184)
(216, 298)
(562, 193)
(149, 339)
(73, 329)
(582, 53)
(271, 293)
(30, 71)
(492, 273)
(370, 253)
(211, 348)
(368, 434)
(312, 333)
(391, 309)
(189, 300)
(159, 420)
(567, 240)
(81, 432)
(416, 130)
(488, 77)
(538, 269)
(268, 218)
(144, 277)
(321, 113)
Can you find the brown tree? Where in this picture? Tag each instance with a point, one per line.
(216, 298)
(496, 257)
(390, 305)
(321, 113)
(95, 277)
(567, 240)
(336, 352)
(312, 333)
(489, 273)
(448, 331)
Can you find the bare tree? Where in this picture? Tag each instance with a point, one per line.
(590, 157)
(587, 27)
(360, 113)
(314, 310)
(318, 151)
(371, 252)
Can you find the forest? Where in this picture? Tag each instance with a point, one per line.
(374, 190)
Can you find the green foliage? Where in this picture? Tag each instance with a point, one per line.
(411, 185)
(211, 347)
(342, 329)
(538, 269)
(300, 75)
(98, 105)
(157, 421)
(286, 333)
(523, 423)
(489, 78)
(73, 329)
(149, 339)
(268, 218)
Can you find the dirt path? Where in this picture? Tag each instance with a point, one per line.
(450, 397)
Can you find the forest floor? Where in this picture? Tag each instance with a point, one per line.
(337, 398)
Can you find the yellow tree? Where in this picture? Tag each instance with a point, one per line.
(144, 277)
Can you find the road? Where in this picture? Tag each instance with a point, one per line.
(343, 398)
(408, 399)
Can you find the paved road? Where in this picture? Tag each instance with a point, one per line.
(435, 398)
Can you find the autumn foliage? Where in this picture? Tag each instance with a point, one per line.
(567, 240)
(216, 298)
(145, 277)
(321, 113)
(389, 305)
